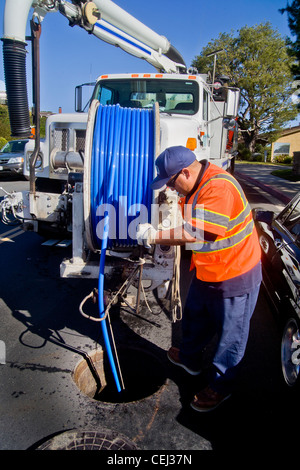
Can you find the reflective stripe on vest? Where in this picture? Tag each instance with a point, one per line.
(218, 219)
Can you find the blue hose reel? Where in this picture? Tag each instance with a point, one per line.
(122, 168)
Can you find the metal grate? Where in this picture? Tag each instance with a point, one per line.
(61, 139)
(80, 139)
(89, 440)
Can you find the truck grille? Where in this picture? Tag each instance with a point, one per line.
(61, 139)
(80, 139)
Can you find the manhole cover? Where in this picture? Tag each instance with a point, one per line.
(142, 372)
(88, 440)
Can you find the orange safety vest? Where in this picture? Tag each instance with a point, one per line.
(219, 206)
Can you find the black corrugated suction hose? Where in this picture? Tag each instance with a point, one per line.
(14, 56)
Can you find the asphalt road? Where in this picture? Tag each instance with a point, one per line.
(263, 174)
(45, 337)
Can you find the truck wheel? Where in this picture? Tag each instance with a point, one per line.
(290, 352)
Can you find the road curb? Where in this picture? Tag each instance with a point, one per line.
(269, 189)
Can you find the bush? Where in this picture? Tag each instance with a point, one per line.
(2, 142)
(257, 157)
(243, 152)
(286, 159)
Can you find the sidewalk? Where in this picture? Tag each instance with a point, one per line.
(260, 176)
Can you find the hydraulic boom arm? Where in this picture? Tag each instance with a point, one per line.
(103, 18)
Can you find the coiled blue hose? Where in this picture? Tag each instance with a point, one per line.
(121, 170)
(122, 167)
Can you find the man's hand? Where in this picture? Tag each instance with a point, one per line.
(145, 235)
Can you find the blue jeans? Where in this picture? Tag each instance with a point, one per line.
(208, 313)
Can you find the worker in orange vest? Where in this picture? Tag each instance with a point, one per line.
(219, 228)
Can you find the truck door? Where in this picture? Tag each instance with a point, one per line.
(205, 126)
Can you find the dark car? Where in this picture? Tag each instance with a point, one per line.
(12, 156)
(279, 237)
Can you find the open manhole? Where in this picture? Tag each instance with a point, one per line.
(88, 440)
(142, 372)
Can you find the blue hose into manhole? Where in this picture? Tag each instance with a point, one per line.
(122, 168)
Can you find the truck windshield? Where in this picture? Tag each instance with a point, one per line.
(173, 96)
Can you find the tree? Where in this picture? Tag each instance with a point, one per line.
(5, 131)
(293, 13)
(4, 123)
(257, 62)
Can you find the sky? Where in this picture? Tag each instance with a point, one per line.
(70, 56)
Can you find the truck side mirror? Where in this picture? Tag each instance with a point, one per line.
(78, 99)
(229, 123)
(232, 104)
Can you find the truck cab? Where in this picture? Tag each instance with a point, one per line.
(188, 116)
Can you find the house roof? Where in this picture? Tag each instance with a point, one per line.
(290, 130)
(263, 140)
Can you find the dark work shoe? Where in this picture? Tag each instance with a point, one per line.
(208, 400)
(173, 356)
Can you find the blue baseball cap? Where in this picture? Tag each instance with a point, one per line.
(169, 162)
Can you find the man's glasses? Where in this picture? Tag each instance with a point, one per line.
(172, 181)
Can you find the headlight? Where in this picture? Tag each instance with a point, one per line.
(38, 163)
(16, 160)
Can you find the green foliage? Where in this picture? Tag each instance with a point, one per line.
(5, 131)
(2, 142)
(243, 152)
(286, 174)
(293, 15)
(4, 123)
(256, 61)
(42, 126)
(283, 159)
(258, 156)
